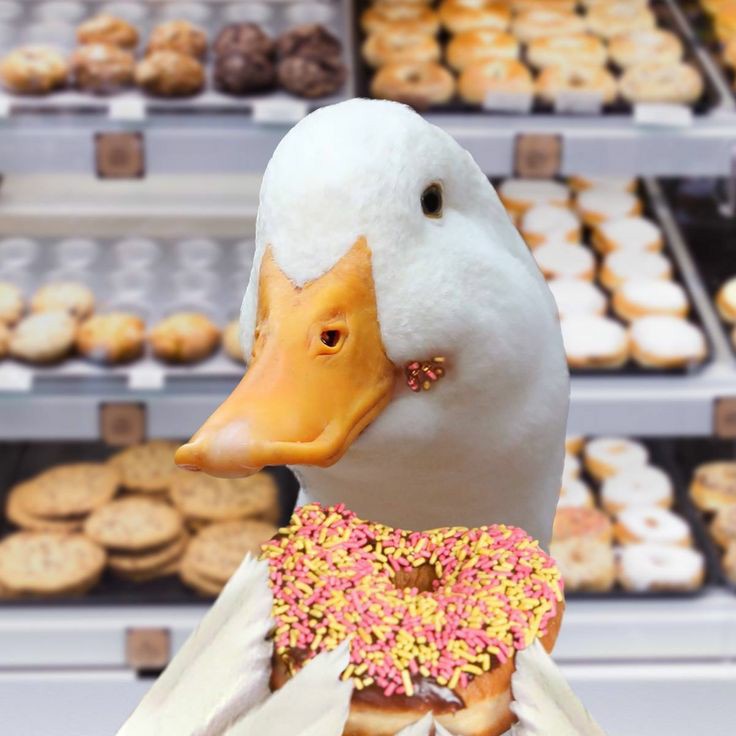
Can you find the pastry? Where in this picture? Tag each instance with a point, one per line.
(575, 494)
(420, 84)
(133, 524)
(729, 563)
(389, 47)
(152, 562)
(663, 341)
(115, 337)
(725, 301)
(16, 513)
(311, 78)
(594, 342)
(714, 486)
(518, 195)
(639, 524)
(146, 468)
(180, 36)
(628, 265)
(204, 498)
(598, 205)
(33, 70)
(585, 563)
(567, 6)
(44, 337)
(577, 297)
(231, 341)
(582, 522)
(169, 74)
(471, 47)
(641, 486)
(653, 44)
(184, 337)
(109, 30)
(11, 303)
(660, 567)
(642, 297)
(581, 50)
(627, 233)
(561, 79)
(529, 25)
(101, 68)
(406, 17)
(611, 19)
(4, 340)
(494, 75)
(49, 564)
(243, 38)
(608, 456)
(75, 298)
(239, 73)
(458, 16)
(574, 444)
(548, 222)
(565, 260)
(580, 183)
(661, 82)
(373, 558)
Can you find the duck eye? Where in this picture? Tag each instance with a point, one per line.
(432, 201)
(330, 338)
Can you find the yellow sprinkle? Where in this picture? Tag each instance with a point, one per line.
(454, 680)
(408, 687)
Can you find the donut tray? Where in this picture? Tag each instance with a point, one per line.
(710, 100)
(22, 461)
(54, 22)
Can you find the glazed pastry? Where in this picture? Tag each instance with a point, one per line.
(611, 19)
(565, 260)
(640, 486)
(310, 41)
(529, 25)
(69, 296)
(627, 265)
(33, 70)
(410, 18)
(581, 50)
(421, 84)
(390, 47)
(576, 297)
(243, 38)
(115, 337)
(546, 222)
(518, 195)
(101, 68)
(638, 47)
(11, 303)
(714, 486)
(643, 297)
(170, 74)
(725, 301)
(556, 80)
(494, 75)
(575, 494)
(44, 337)
(660, 567)
(594, 342)
(582, 522)
(109, 30)
(640, 524)
(471, 47)
(231, 341)
(180, 36)
(458, 16)
(581, 183)
(311, 78)
(239, 73)
(574, 444)
(185, 337)
(608, 456)
(598, 205)
(723, 526)
(661, 82)
(635, 233)
(585, 563)
(662, 341)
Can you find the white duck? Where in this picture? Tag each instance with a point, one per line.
(380, 242)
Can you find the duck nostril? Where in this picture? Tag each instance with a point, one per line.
(330, 338)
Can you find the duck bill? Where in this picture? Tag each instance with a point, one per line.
(318, 375)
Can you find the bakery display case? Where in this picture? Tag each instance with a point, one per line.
(139, 186)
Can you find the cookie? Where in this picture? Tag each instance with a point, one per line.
(147, 468)
(243, 38)
(231, 341)
(148, 560)
(11, 303)
(17, 514)
(240, 73)
(180, 36)
(201, 585)
(170, 74)
(146, 576)
(42, 563)
(311, 78)
(108, 29)
(74, 298)
(43, 338)
(185, 337)
(33, 70)
(116, 337)
(133, 524)
(309, 41)
(101, 68)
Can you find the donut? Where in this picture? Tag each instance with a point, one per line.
(580, 183)
(562, 78)
(518, 195)
(598, 205)
(626, 265)
(388, 47)
(594, 342)
(662, 341)
(643, 297)
(565, 260)
(539, 22)
(581, 522)
(607, 456)
(548, 222)
(728, 562)
(723, 526)
(642, 486)
(577, 297)
(418, 83)
(585, 563)
(714, 486)
(726, 301)
(639, 524)
(458, 16)
(661, 82)
(429, 615)
(494, 75)
(575, 494)
(406, 17)
(574, 444)
(659, 567)
(470, 47)
(652, 44)
(614, 18)
(635, 233)
(578, 50)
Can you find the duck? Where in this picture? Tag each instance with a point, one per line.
(405, 350)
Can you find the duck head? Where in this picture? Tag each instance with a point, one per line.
(380, 244)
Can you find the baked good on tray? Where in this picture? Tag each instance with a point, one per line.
(659, 567)
(713, 486)
(420, 84)
(231, 341)
(184, 337)
(469, 47)
(168, 73)
(663, 341)
(561, 79)
(71, 296)
(627, 233)
(560, 260)
(639, 486)
(608, 456)
(33, 70)
(580, 50)
(651, 44)
(726, 301)
(108, 29)
(723, 526)
(180, 36)
(642, 297)
(594, 342)
(102, 68)
(655, 81)
(44, 337)
(577, 297)
(11, 303)
(651, 524)
(547, 222)
(112, 337)
(477, 80)
(146, 468)
(518, 195)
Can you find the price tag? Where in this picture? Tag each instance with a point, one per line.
(518, 102)
(127, 108)
(4, 106)
(537, 156)
(147, 649)
(119, 155)
(663, 115)
(279, 112)
(16, 378)
(724, 417)
(122, 424)
(579, 102)
(146, 378)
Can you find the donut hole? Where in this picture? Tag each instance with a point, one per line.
(422, 578)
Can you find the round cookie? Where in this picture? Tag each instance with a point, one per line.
(548, 222)
(309, 41)
(725, 301)
(115, 337)
(148, 560)
(16, 514)
(231, 341)
(580, 183)
(44, 337)
(33, 70)
(518, 195)
(575, 297)
(627, 233)
(598, 205)
(101, 68)
(311, 78)
(565, 261)
(594, 342)
(184, 337)
(11, 303)
(180, 36)
(147, 468)
(108, 29)
(629, 265)
(170, 74)
(239, 73)
(243, 38)
(75, 298)
(642, 297)
(662, 341)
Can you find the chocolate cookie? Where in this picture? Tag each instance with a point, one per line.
(244, 38)
(310, 41)
(101, 68)
(311, 77)
(239, 73)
